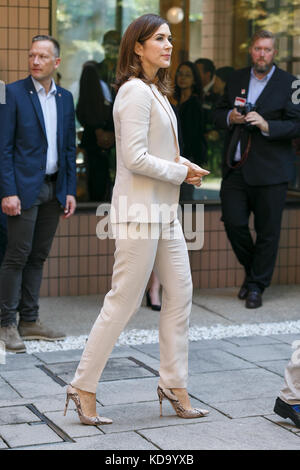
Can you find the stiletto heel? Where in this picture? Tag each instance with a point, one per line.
(166, 393)
(150, 304)
(160, 405)
(67, 404)
(90, 420)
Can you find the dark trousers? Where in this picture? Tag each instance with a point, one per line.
(266, 202)
(30, 236)
(3, 235)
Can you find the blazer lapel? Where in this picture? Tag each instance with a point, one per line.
(166, 106)
(36, 103)
(59, 107)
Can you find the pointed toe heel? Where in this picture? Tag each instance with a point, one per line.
(89, 420)
(166, 393)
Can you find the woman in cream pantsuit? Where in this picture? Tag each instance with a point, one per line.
(149, 174)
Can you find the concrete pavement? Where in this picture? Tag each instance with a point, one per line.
(236, 371)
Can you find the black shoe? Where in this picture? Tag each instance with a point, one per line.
(150, 304)
(243, 292)
(287, 411)
(253, 299)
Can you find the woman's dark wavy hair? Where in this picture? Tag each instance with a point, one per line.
(197, 86)
(90, 108)
(129, 64)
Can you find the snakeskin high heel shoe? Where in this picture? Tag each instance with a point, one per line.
(90, 420)
(166, 393)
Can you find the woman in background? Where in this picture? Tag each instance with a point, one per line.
(94, 112)
(188, 98)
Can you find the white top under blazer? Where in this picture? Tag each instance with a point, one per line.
(149, 168)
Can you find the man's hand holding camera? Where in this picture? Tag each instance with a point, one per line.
(255, 119)
(251, 119)
(236, 117)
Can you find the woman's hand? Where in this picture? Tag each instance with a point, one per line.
(195, 174)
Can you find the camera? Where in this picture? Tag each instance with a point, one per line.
(247, 108)
(244, 110)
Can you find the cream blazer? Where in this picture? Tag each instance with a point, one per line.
(149, 168)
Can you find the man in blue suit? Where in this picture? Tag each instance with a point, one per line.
(38, 183)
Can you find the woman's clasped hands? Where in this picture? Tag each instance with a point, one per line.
(195, 174)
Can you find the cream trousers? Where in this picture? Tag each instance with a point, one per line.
(166, 252)
(290, 392)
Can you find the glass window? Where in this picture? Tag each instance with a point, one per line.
(211, 39)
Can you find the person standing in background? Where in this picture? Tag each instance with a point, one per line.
(38, 183)
(261, 120)
(94, 112)
(188, 98)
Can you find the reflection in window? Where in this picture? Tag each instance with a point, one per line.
(218, 32)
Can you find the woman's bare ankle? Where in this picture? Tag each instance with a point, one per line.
(183, 397)
(88, 402)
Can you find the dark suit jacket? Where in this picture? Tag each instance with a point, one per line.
(191, 120)
(23, 144)
(271, 158)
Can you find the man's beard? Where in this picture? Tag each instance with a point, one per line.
(262, 68)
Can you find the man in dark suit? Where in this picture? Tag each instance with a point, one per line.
(258, 161)
(37, 180)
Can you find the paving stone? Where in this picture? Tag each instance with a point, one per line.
(115, 369)
(147, 360)
(32, 383)
(253, 340)
(14, 402)
(127, 391)
(287, 338)
(239, 434)
(71, 425)
(18, 362)
(17, 435)
(55, 403)
(74, 355)
(280, 303)
(3, 445)
(122, 351)
(55, 357)
(16, 415)
(285, 423)
(247, 408)
(6, 391)
(277, 367)
(146, 415)
(265, 352)
(117, 441)
(217, 387)
(208, 344)
(150, 349)
(211, 360)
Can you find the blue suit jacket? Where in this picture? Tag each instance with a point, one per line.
(23, 144)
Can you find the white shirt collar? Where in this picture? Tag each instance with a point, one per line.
(38, 86)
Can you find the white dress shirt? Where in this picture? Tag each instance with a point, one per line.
(48, 104)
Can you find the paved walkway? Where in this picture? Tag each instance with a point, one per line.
(236, 374)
